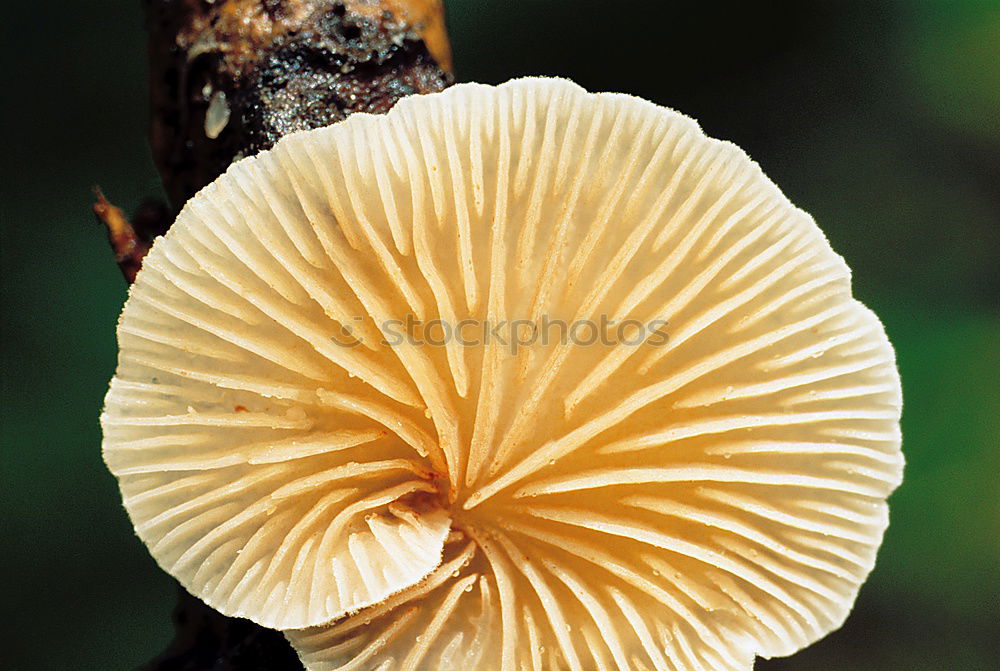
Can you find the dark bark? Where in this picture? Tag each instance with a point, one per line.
(229, 78)
(206, 639)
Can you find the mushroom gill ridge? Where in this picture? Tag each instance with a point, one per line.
(515, 377)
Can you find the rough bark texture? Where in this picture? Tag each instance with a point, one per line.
(229, 78)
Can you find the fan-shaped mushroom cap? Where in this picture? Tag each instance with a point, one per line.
(712, 490)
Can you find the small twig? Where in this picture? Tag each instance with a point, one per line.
(128, 247)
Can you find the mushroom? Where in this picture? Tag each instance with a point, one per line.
(702, 486)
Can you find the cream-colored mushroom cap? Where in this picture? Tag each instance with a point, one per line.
(323, 419)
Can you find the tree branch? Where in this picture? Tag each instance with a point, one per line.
(229, 78)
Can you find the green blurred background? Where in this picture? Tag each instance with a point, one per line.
(880, 118)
